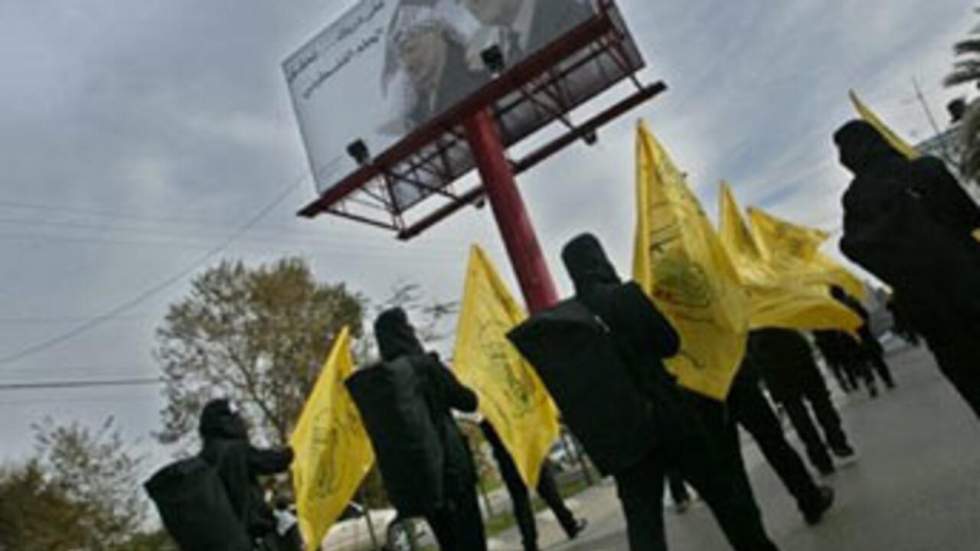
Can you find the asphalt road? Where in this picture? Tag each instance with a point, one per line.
(916, 486)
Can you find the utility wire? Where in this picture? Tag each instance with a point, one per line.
(80, 384)
(154, 290)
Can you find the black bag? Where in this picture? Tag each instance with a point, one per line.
(908, 249)
(195, 509)
(577, 359)
(392, 401)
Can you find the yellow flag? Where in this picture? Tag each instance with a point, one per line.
(680, 262)
(777, 300)
(871, 118)
(794, 252)
(333, 453)
(785, 241)
(512, 397)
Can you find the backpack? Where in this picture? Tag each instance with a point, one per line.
(904, 246)
(391, 398)
(194, 507)
(580, 363)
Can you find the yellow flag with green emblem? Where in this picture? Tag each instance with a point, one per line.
(333, 453)
(777, 300)
(794, 252)
(681, 264)
(890, 136)
(512, 397)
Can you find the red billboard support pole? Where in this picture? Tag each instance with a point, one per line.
(509, 211)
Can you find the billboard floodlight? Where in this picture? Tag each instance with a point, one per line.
(493, 59)
(358, 151)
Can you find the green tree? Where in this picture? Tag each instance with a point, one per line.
(98, 472)
(36, 514)
(81, 492)
(257, 336)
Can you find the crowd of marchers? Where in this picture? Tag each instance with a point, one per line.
(909, 222)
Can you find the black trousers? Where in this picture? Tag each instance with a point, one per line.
(959, 362)
(677, 487)
(753, 411)
(523, 509)
(844, 375)
(874, 355)
(704, 450)
(458, 525)
(815, 394)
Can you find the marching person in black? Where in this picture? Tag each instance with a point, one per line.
(901, 325)
(239, 464)
(910, 223)
(843, 356)
(754, 413)
(872, 352)
(456, 522)
(654, 427)
(790, 373)
(521, 499)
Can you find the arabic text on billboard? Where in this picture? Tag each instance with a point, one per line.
(387, 67)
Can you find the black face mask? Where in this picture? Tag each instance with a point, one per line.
(859, 143)
(220, 420)
(395, 335)
(587, 264)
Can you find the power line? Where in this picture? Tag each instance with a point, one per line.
(80, 384)
(172, 222)
(169, 236)
(152, 291)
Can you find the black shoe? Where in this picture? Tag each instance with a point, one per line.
(681, 507)
(826, 470)
(815, 515)
(580, 526)
(845, 455)
(873, 391)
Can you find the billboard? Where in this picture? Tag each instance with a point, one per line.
(390, 68)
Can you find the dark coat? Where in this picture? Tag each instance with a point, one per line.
(785, 361)
(443, 392)
(601, 356)
(239, 464)
(837, 347)
(644, 336)
(945, 198)
(867, 338)
(905, 236)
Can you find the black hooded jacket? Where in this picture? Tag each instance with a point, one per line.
(784, 360)
(239, 464)
(443, 392)
(906, 225)
(866, 153)
(643, 335)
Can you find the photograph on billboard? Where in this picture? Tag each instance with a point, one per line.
(388, 67)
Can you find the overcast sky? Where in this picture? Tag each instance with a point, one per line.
(137, 136)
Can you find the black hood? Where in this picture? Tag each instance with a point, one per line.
(587, 264)
(860, 143)
(219, 421)
(395, 335)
